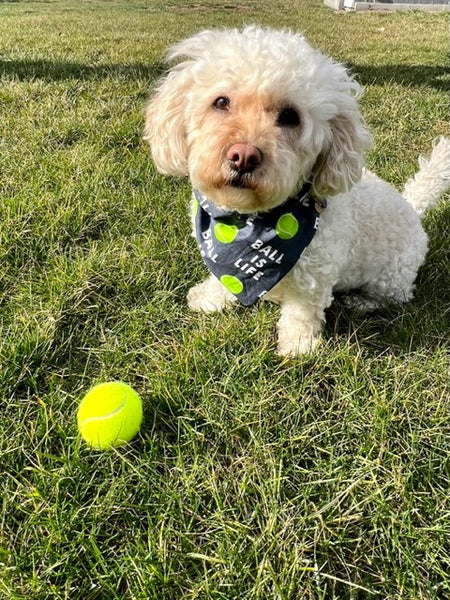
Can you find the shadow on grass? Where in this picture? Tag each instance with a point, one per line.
(49, 70)
(437, 77)
(431, 76)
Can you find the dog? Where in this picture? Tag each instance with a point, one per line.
(270, 133)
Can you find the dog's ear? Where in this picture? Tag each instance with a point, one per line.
(340, 163)
(165, 124)
(339, 167)
(167, 113)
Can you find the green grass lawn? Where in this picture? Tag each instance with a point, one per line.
(253, 478)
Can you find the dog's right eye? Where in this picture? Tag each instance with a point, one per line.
(222, 103)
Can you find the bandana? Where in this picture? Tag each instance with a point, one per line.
(250, 254)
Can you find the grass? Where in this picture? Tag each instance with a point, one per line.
(322, 477)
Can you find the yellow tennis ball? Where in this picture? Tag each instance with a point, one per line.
(109, 415)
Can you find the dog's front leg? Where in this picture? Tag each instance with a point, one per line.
(209, 296)
(300, 326)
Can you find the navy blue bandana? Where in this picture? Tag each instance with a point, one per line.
(250, 254)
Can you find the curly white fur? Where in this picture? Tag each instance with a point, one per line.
(271, 91)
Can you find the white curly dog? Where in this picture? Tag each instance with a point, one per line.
(253, 116)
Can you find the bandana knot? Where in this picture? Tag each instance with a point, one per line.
(250, 254)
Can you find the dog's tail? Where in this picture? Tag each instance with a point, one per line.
(433, 178)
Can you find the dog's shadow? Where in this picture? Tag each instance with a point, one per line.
(58, 70)
(434, 76)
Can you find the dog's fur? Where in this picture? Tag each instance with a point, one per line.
(370, 237)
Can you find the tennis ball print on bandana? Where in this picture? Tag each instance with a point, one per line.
(287, 226)
(225, 233)
(250, 254)
(232, 283)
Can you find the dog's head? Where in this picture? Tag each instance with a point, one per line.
(252, 115)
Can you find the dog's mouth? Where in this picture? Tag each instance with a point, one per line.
(245, 192)
(240, 181)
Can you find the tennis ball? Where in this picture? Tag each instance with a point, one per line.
(225, 233)
(232, 283)
(109, 415)
(287, 226)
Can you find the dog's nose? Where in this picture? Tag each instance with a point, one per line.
(244, 157)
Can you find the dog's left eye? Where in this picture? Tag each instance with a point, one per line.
(288, 117)
(222, 103)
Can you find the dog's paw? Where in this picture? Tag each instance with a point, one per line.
(197, 301)
(209, 297)
(296, 345)
(299, 329)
